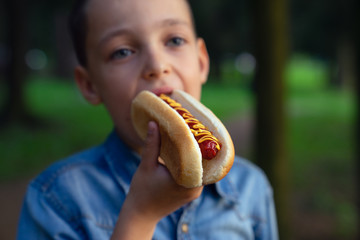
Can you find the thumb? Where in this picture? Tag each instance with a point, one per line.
(151, 149)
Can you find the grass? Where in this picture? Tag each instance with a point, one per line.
(321, 125)
(322, 154)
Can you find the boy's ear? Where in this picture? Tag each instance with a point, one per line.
(86, 86)
(204, 60)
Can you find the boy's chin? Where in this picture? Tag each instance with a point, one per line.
(134, 141)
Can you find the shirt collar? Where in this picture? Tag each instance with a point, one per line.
(122, 160)
(227, 190)
(123, 163)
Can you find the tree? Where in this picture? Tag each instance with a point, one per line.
(223, 25)
(21, 16)
(350, 32)
(356, 36)
(271, 52)
(319, 30)
(15, 69)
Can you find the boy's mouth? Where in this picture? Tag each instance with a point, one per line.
(163, 90)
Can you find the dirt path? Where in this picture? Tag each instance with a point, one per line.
(11, 197)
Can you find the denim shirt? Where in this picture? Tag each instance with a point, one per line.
(81, 197)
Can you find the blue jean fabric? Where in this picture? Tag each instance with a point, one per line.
(80, 198)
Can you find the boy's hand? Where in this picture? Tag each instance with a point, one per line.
(153, 192)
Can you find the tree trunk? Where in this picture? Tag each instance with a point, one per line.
(15, 69)
(356, 34)
(271, 52)
(345, 64)
(357, 126)
(350, 31)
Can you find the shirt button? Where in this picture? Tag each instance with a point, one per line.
(185, 228)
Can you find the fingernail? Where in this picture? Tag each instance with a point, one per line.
(150, 128)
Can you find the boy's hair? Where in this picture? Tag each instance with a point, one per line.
(78, 28)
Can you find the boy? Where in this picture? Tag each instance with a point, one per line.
(118, 190)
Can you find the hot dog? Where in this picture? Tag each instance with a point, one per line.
(195, 145)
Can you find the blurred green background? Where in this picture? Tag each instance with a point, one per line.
(319, 102)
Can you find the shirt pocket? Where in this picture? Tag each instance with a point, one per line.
(228, 221)
(98, 228)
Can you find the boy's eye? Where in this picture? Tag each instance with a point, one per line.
(121, 53)
(176, 41)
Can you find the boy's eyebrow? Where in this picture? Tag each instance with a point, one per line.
(173, 21)
(164, 23)
(112, 34)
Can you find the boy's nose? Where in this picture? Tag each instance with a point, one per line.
(155, 66)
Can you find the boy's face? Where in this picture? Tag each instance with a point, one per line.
(135, 45)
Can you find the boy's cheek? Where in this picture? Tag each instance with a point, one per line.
(194, 89)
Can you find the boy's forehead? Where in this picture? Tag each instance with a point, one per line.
(107, 18)
(136, 8)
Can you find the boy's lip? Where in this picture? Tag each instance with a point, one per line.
(165, 90)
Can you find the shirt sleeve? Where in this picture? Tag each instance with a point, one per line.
(267, 228)
(42, 217)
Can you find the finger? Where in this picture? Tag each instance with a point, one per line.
(151, 149)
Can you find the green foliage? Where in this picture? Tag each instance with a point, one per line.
(69, 125)
(226, 101)
(303, 74)
(306, 74)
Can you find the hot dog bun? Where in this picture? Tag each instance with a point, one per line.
(179, 149)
